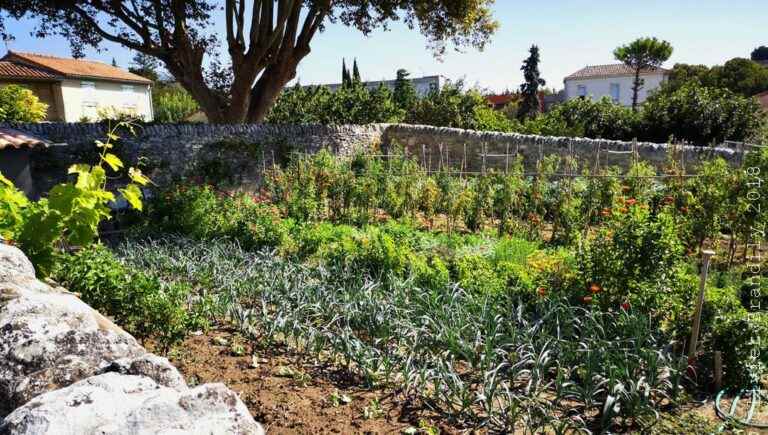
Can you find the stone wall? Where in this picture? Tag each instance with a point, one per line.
(242, 151)
(66, 369)
(465, 148)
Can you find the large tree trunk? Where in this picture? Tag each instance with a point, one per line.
(635, 89)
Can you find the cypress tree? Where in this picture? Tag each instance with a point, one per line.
(345, 79)
(355, 73)
(529, 91)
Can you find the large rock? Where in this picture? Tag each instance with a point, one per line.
(122, 404)
(49, 339)
(66, 369)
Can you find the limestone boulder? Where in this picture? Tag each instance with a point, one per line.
(114, 403)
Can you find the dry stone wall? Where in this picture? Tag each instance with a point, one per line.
(66, 369)
(241, 151)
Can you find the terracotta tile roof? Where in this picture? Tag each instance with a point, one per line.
(76, 68)
(616, 69)
(13, 70)
(500, 99)
(12, 138)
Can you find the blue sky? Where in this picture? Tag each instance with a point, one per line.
(570, 34)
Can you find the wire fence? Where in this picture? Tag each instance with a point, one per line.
(592, 168)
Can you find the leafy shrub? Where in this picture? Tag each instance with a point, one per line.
(141, 304)
(584, 117)
(19, 104)
(701, 115)
(476, 273)
(202, 213)
(173, 104)
(743, 338)
(631, 259)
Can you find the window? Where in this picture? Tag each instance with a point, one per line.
(615, 92)
(89, 92)
(129, 98)
(581, 90)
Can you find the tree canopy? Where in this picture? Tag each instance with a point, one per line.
(641, 54)
(738, 75)
(760, 53)
(264, 39)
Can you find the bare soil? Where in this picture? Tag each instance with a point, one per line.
(291, 396)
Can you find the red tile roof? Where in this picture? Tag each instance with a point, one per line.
(12, 138)
(616, 69)
(500, 99)
(12, 70)
(75, 68)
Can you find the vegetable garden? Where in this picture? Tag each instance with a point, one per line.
(501, 301)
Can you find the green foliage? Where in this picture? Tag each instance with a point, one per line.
(529, 90)
(404, 93)
(759, 54)
(631, 258)
(452, 106)
(641, 54)
(71, 212)
(584, 117)
(352, 104)
(701, 115)
(140, 303)
(202, 213)
(740, 76)
(742, 339)
(19, 104)
(173, 104)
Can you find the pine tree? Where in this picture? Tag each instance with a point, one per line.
(345, 78)
(145, 66)
(529, 91)
(355, 73)
(114, 63)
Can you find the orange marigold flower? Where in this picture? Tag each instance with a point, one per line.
(684, 209)
(542, 291)
(595, 288)
(631, 201)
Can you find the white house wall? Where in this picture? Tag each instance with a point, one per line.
(81, 102)
(599, 87)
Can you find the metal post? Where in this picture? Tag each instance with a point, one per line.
(705, 257)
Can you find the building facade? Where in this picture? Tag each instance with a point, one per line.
(78, 90)
(614, 81)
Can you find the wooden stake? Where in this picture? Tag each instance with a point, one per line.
(718, 370)
(705, 257)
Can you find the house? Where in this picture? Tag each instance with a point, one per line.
(614, 81)
(423, 85)
(15, 148)
(76, 89)
(762, 98)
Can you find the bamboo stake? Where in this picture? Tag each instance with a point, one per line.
(705, 257)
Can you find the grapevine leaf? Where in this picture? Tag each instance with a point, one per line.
(113, 161)
(133, 195)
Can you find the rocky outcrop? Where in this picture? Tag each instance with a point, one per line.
(124, 404)
(65, 368)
